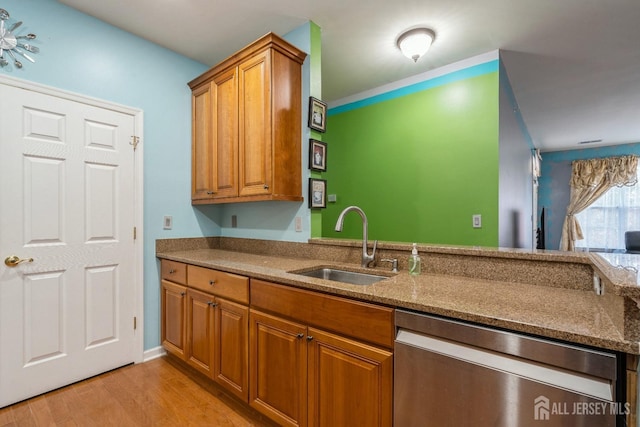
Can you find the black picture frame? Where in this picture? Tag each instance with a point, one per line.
(317, 155)
(317, 193)
(317, 114)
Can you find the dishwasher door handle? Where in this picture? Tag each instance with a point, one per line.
(598, 388)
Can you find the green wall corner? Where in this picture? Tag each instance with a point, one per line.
(316, 92)
(419, 165)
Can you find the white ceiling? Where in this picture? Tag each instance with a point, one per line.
(574, 65)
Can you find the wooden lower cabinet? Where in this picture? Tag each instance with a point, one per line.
(349, 383)
(278, 371)
(231, 345)
(210, 333)
(300, 357)
(217, 340)
(303, 376)
(200, 331)
(174, 315)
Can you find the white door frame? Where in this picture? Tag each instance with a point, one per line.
(138, 351)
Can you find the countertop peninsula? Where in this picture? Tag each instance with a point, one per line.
(544, 293)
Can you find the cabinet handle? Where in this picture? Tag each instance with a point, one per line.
(212, 282)
(309, 337)
(300, 336)
(211, 192)
(172, 271)
(212, 304)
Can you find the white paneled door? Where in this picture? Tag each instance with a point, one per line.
(67, 214)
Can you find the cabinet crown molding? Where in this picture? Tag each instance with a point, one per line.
(268, 41)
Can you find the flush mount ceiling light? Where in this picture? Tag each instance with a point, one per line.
(416, 42)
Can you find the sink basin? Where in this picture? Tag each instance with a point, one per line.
(343, 276)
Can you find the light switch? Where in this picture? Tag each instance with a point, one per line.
(298, 224)
(477, 221)
(167, 222)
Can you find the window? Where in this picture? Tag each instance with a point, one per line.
(605, 221)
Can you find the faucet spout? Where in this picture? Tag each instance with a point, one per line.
(366, 258)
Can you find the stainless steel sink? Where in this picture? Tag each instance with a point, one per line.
(343, 276)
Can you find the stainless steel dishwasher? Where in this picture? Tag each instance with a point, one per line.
(451, 373)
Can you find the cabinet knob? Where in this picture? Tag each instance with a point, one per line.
(182, 294)
(172, 271)
(266, 187)
(212, 304)
(309, 337)
(212, 282)
(300, 336)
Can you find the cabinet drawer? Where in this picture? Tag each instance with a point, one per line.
(361, 320)
(174, 271)
(219, 283)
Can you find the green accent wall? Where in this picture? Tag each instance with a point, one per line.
(316, 92)
(419, 165)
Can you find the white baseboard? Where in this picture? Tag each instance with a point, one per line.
(153, 353)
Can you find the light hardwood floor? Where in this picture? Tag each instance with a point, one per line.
(156, 393)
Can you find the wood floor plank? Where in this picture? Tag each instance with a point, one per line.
(40, 411)
(6, 418)
(154, 394)
(133, 399)
(60, 411)
(22, 414)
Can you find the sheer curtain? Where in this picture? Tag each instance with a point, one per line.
(590, 179)
(605, 221)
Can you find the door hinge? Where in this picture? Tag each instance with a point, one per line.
(135, 140)
(135, 323)
(135, 233)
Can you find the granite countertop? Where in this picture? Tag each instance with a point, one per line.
(572, 315)
(622, 269)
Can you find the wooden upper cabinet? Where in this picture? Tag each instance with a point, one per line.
(255, 125)
(253, 129)
(201, 148)
(225, 136)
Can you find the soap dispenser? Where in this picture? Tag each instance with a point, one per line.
(414, 261)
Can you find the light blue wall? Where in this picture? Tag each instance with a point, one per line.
(515, 200)
(276, 220)
(84, 55)
(554, 191)
(87, 56)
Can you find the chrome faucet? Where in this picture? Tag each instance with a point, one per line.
(366, 258)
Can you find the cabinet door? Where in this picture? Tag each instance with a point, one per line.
(173, 327)
(231, 361)
(201, 149)
(225, 134)
(200, 328)
(350, 383)
(254, 106)
(278, 369)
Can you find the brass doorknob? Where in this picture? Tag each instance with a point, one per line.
(13, 260)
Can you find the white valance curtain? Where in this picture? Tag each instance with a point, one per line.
(590, 179)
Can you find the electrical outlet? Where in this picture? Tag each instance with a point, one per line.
(477, 221)
(167, 222)
(298, 224)
(332, 198)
